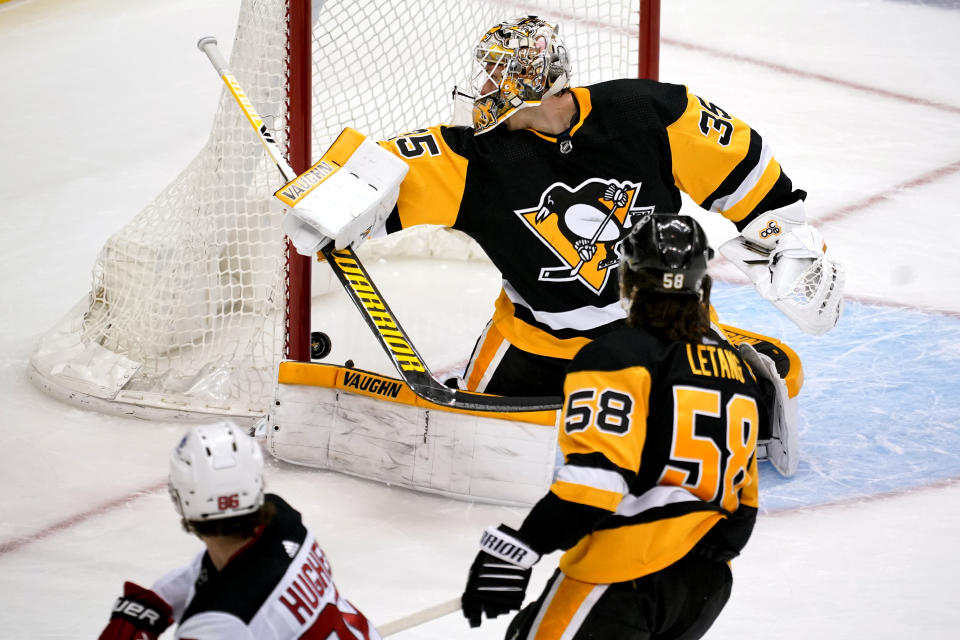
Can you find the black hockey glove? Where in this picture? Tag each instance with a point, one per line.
(139, 614)
(499, 575)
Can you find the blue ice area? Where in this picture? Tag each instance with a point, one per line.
(880, 405)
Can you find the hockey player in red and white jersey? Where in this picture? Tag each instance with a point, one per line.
(262, 575)
(550, 180)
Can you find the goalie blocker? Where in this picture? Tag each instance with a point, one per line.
(343, 197)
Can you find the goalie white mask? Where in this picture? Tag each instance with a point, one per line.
(216, 472)
(521, 61)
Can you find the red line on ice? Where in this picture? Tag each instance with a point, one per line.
(67, 523)
(919, 181)
(832, 216)
(810, 75)
(877, 302)
(630, 30)
(875, 497)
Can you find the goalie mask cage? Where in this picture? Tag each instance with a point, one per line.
(196, 300)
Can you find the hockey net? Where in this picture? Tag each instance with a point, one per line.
(195, 301)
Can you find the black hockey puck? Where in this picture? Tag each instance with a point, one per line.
(319, 345)
(348, 364)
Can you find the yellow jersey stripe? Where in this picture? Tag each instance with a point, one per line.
(705, 151)
(589, 496)
(491, 345)
(583, 101)
(748, 203)
(567, 601)
(434, 186)
(750, 494)
(630, 551)
(529, 338)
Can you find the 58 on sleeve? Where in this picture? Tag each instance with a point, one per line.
(609, 411)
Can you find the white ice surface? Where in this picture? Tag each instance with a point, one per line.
(104, 101)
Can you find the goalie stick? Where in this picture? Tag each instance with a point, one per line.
(364, 293)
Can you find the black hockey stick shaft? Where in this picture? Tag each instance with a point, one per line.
(378, 316)
(364, 294)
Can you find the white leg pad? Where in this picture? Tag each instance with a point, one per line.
(464, 455)
(782, 448)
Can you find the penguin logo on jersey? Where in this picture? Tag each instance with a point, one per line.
(583, 226)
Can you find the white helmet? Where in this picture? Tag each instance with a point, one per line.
(521, 61)
(216, 472)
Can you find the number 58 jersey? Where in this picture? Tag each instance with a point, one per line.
(663, 434)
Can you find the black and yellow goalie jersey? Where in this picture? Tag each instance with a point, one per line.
(659, 443)
(549, 211)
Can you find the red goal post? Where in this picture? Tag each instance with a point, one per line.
(196, 300)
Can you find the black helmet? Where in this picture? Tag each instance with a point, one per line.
(672, 249)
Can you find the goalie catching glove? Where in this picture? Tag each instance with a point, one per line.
(784, 258)
(499, 575)
(343, 197)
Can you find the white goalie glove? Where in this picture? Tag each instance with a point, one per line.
(343, 197)
(784, 258)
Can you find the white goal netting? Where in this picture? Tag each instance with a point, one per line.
(188, 303)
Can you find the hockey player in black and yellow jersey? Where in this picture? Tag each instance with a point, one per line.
(658, 491)
(552, 177)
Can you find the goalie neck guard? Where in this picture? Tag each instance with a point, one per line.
(216, 472)
(672, 249)
(521, 61)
